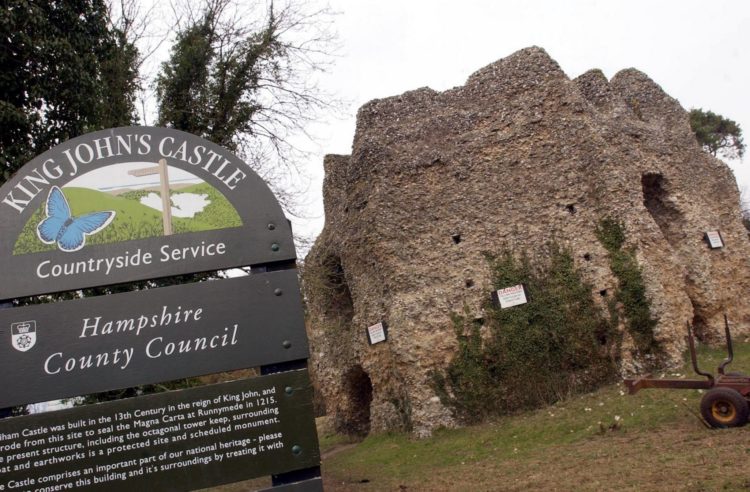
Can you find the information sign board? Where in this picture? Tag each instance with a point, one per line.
(131, 204)
(181, 440)
(714, 239)
(510, 296)
(76, 217)
(377, 333)
(117, 341)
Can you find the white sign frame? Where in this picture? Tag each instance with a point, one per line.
(377, 333)
(715, 241)
(514, 295)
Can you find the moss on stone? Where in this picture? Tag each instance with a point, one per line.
(631, 291)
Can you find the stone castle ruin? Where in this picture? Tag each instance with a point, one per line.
(519, 156)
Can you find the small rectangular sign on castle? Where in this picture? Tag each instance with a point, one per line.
(714, 239)
(510, 296)
(377, 333)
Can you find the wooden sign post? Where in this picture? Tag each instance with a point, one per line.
(166, 201)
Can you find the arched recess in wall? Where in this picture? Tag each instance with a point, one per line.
(337, 298)
(358, 393)
(657, 201)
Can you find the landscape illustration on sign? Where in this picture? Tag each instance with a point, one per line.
(123, 202)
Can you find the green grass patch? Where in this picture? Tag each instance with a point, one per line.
(219, 214)
(586, 422)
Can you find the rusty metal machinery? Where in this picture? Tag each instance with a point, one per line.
(726, 402)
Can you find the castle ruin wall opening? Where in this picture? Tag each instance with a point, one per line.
(358, 393)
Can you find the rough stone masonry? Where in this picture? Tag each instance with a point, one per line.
(519, 156)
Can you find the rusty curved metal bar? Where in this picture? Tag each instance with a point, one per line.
(694, 358)
(735, 381)
(637, 384)
(730, 349)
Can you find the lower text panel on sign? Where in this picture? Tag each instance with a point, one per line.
(181, 440)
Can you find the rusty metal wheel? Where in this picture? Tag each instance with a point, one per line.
(724, 407)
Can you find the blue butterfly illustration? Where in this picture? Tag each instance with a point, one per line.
(67, 231)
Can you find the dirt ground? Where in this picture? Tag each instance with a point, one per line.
(684, 457)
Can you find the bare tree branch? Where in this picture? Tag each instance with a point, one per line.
(258, 93)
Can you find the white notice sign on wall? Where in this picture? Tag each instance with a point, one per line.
(714, 239)
(377, 333)
(511, 296)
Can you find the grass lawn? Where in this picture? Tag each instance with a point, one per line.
(606, 440)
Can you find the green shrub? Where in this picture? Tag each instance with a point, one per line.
(631, 291)
(557, 344)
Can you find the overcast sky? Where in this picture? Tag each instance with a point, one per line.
(696, 50)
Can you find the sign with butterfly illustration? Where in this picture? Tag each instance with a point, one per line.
(139, 203)
(91, 212)
(67, 232)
